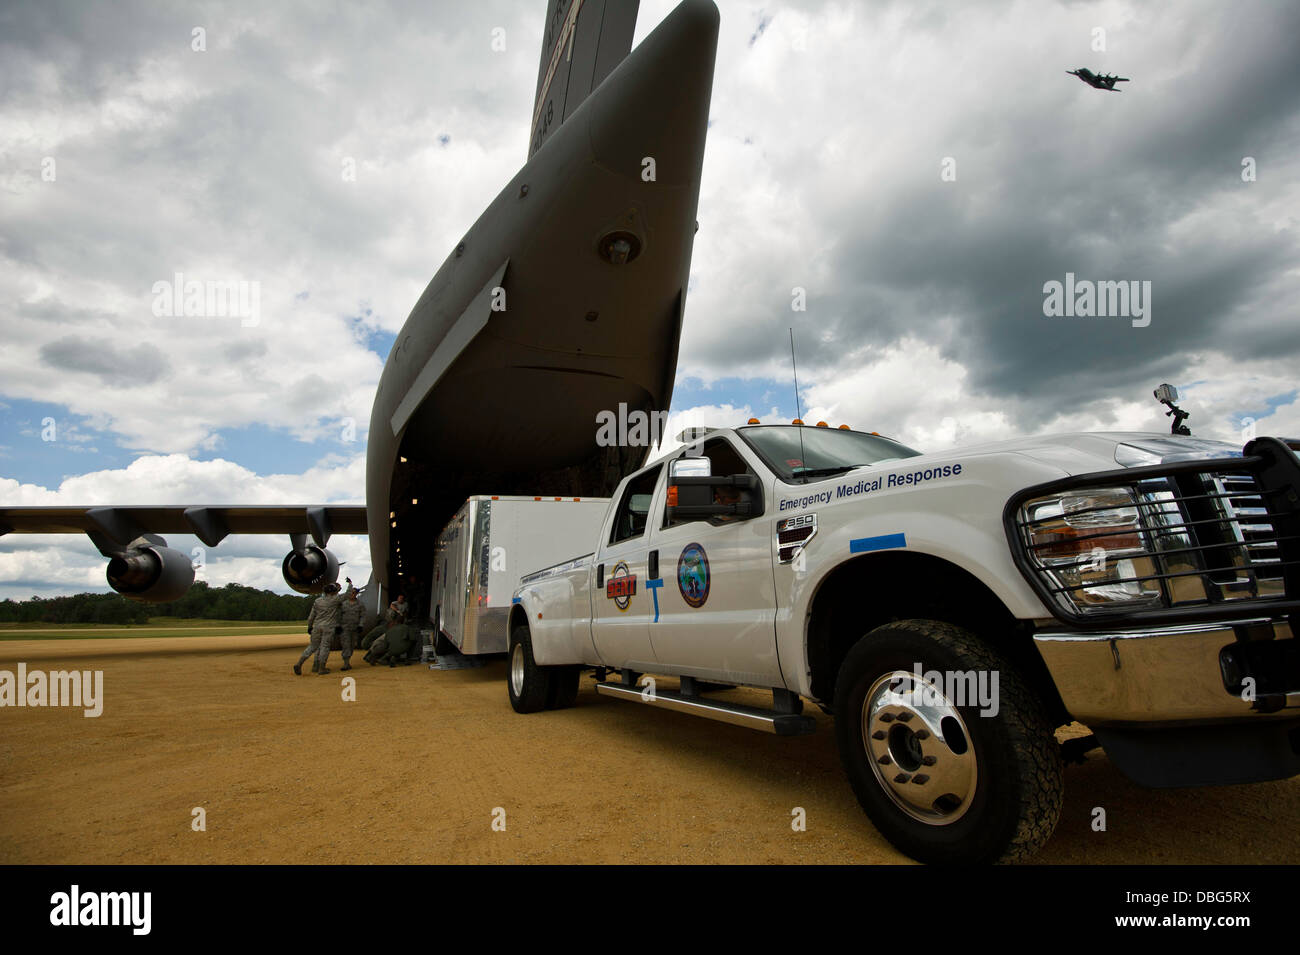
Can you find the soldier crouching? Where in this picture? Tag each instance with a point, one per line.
(392, 647)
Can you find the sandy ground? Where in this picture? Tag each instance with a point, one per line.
(416, 767)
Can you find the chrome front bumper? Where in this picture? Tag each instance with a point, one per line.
(1165, 676)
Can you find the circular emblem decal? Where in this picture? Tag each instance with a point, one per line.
(620, 587)
(693, 575)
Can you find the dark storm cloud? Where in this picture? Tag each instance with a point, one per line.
(141, 364)
(53, 308)
(240, 352)
(234, 164)
(1053, 177)
(254, 128)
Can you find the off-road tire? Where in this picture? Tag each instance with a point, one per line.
(529, 685)
(564, 686)
(1017, 793)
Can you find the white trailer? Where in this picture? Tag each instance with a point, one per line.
(484, 550)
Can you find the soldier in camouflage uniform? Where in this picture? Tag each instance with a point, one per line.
(322, 623)
(392, 647)
(351, 612)
(397, 611)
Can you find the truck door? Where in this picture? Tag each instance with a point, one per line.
(717, 603)
(620, 601)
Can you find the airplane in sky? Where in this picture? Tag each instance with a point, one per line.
(1106, 82)
(563, 300)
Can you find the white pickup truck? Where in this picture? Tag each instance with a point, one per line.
(951, 610)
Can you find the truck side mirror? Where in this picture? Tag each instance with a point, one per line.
(692, 496)
(690, 467)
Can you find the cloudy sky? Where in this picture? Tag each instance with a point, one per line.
(920, 170)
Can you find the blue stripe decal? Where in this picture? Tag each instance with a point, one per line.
(513, 601)
(653, 586)
(884, 542)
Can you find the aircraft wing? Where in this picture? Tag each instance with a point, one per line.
(210, 524)
(583, 41)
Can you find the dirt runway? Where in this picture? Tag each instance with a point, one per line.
(422, 763)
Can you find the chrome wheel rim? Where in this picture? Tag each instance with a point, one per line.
(919, 748)
(517, 669)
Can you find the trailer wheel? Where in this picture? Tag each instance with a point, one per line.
(441, 645)
(530, 686)
(942, 782)
(564, 687)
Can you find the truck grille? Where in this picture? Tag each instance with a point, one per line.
(1243, 508)
(1210, 538)
(1231, 543)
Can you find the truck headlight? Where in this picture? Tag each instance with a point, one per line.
(1090, 546)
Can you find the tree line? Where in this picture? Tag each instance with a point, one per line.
(201, 601)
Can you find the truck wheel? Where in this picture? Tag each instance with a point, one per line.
(529, 684)
(564, 687)
(941, 782)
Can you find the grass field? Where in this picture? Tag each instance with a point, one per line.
(156, 627)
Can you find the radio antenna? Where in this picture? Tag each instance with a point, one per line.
(798, 411)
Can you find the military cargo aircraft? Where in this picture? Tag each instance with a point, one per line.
(1106, 82)
(564, 299)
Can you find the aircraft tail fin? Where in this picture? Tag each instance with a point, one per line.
(583, 41)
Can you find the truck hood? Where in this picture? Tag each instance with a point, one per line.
(1082, 452)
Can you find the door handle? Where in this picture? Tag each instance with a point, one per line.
(600, 576)
(652, 565)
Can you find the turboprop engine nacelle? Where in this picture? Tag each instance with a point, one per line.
(307, 569)
(150, 572)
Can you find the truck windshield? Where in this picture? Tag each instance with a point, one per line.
(824, 452)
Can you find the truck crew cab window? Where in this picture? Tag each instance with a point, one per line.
(634, 506)
(724, 460)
